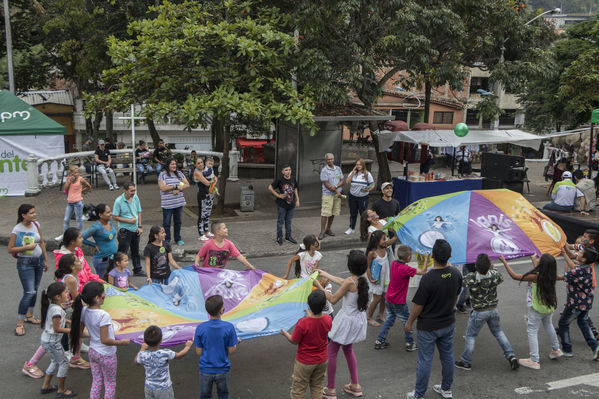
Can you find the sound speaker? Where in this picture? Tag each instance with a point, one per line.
(492, 184)
(498, 166)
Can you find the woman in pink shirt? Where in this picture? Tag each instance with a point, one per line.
(74, 187)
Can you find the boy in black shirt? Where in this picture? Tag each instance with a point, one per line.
(433, 307)
(285, 190)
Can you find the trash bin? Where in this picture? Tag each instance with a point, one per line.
(247, 198)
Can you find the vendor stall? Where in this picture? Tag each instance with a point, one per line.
(24, 130)
(406, 191)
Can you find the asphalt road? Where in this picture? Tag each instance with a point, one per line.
(262, 367)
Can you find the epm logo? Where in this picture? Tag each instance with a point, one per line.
(3, 192)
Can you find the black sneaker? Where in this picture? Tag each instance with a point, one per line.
(381, 345)
(461, 309)
(465, 366)
(411, 347)
(139, 273)
(513, 362)
(280, 241)
(291, 240)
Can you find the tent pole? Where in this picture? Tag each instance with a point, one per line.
(591, 151)
(133, 144)
(453, 162)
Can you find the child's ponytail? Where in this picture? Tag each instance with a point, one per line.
(45, 305)
(357, 265)
(364, 225)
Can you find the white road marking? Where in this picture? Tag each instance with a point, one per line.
(588, 379)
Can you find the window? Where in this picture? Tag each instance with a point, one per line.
(477, 82)
(472, 118)
(508, 118)
(400, 114)
(442, 118)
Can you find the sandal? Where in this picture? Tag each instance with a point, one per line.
(79, 363)
(64, 394)
(353, 390)
(32, 320)
(32, 371)
(329, 393)
(374, 323)
(20, 330)
(53, 388)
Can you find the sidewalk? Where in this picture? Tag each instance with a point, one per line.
(254, 233)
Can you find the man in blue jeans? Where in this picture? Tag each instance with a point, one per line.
(434, 302)
(215, 340)
(127, 212)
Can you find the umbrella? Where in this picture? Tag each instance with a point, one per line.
(495, 222)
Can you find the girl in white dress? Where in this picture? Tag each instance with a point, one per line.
(349, 326)
(306, 259)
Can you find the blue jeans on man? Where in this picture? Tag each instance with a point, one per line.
(582, 318)
(284, 215)
(475, 323)
(77, 209)
(222, 385)
(175, 214)
(30, 271)
(443, 339)
(400, 311)
(552, 206)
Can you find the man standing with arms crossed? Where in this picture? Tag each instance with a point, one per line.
(331, 177)
(127, 212)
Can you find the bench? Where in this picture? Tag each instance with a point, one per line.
(119, 163)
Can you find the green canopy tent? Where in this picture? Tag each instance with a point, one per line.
(24, 130)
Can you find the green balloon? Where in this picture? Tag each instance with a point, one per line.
(461, 129)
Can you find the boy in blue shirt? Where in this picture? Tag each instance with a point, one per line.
(155, 361)
(215, 340)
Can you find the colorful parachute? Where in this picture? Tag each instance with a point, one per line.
(256, 302)
(495, 222)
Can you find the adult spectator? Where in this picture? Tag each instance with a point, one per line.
(127, 212)
(172, 182)
(433, 307)
(587, 187)
(564, 195)
(429, 158)
(142, 155)
(109, 144)
(161, 154)
(104, 234)
(204, 198)
(285, 189)
(331, 177)
(88, 145)
(361, 183)
(27, 244)
(464, 159)
(216, 252)
(387, 206)
(102, 156)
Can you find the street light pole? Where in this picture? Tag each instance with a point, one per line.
(11, 79)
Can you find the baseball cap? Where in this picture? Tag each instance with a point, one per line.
(567, 175)
(385, 185)
(100, 142)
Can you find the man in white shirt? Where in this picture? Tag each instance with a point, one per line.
(331, 178)
(462, 157)
(564, 195)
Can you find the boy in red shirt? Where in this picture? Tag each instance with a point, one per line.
(310, 334)
(395, 300)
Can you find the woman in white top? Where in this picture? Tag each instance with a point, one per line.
(26, 244)
(361, 183)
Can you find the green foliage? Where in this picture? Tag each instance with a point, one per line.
(31, 62)
(488, 108)
(202, 62)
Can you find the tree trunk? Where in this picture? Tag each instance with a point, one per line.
(218, 137)
(384, 174)
(89, 128)
(97, 122)
(153, 132)
(225, 133)
(427, 101)
(110, 128)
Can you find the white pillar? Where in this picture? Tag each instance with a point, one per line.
(33, 182)
(546, 150)
(233, 163)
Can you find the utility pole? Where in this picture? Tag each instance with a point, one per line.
(11, 79)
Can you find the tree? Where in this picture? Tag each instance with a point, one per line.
(206, 64)
(31, 62)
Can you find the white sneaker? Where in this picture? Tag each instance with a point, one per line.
(116, 187)
(84, 348)
(110, 187)
(210, 235)
(350, 231)
(412, 395)
(58, 239)
(204, 238)
(444, 394)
